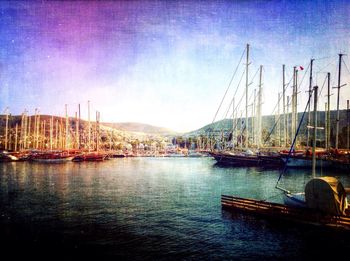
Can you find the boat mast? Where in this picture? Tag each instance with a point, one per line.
(233, 122)
(34, 134)
(337, 128)
(97, 130)
(6, 127)
(25, 129)
(253, 120)
(76, 131)
(287, 122)
(16, 136)
(279, 122)
(309, 115)
(29, 127)
(89, 130)
(328, 111)
(259, 109)
(78, 128)
(67, 130)
(56, 135)
(325, 125)
(314, 134)
(284, 107)
(246, 100)
(51, 132)
(347, 118)
(296, 107)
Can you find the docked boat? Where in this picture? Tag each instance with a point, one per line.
(7, 157)
(247, 159)
(51, 157)
(91, 156)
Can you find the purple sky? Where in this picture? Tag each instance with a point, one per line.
(165, 63)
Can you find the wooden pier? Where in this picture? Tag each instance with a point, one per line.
(283, 212)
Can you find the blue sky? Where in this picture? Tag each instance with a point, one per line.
(165, 63)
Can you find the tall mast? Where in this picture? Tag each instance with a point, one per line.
(314, 134)
(44, 134)
(97, 130)
(76, 131)
(296, 107)
(328, 110)
(337, 128)
(34, 130)
(67, 130)
(78, 128)
(293, 105)
(56, 135)
(25, 129)
(284, 107)
(246, 99)
(347, 129)
(309, 115)
(233, 121)
(278, 118)
(51, 132)
(253, 120)
(287, 122)
(29, 130)
(38, 132)
(259, 109)
(89, 130)
(6, 128)
(16, 141)
(326, 125)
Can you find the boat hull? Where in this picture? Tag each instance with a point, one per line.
(301, 162)
(57, 160)
(247, 160)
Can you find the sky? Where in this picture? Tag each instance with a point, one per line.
(165, 63)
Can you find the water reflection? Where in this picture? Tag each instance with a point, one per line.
(146, 207)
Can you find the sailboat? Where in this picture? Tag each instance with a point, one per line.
(326, 194)
(322, 203)
(246, 157)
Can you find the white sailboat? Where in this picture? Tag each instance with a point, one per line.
(325, 194)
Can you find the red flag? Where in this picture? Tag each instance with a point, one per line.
(301, 67)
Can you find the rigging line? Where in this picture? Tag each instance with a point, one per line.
(346, 66)
(251, 81)
(294, 139)
(325, 66)
(228, 87)
(323, 58)
(239, 83)
(220, 126)
(307, 69)
(324, 82)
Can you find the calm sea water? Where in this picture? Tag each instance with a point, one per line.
(151, 209)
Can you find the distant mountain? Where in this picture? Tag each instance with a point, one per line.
(140, 127)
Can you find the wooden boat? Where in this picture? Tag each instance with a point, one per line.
(7, 157)
(247, 160)
(52, 157)
(91, 156)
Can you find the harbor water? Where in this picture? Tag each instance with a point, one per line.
(152, 209)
